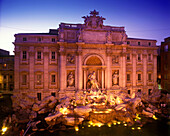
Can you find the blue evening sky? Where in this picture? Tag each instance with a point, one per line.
(148, 19)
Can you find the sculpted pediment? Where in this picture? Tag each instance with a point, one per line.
(93, 21)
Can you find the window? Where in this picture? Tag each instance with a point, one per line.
(128, 42)
(52, 55)
(139, 57)
(4, 76)
(149, 77)
(165, 66)
(166, 48)
(38, 79)
(149, 91)
(165, 57)
(4, 85)
(128, 57)
(53, 94)
(149, 57)
(138, 43)
(139, 90)
(139, 77)
(24, 39)
(128, 77)
(4, 65)
(128, 91)
(39, 39)
(52, 78)
(149, 43)
(24, 79)
(53, 39)
(24, 55)
(10, 76)
(39, 55)
(39, 96)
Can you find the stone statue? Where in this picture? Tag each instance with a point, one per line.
(124, 36)
(93, 20)
(70, 59)
(61, 33)
(70, 79)
(92, 80)
(115, 77)
(100, 21)
(80, 35)
(108, 37)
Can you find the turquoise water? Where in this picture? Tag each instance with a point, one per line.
(156, 128)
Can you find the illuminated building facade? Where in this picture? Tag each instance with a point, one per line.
(165, 65)
(59, 62)
(6, 71)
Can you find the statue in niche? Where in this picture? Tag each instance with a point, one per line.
(70, 79)
(115, 78)
(92, 81)
(115, 59)
(70, 59)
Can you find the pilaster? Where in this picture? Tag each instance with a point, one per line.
(31, 68)
(145, 69)
(16, 70)
(123, 70)
(46, 75)
(155, 69)
(134, 69)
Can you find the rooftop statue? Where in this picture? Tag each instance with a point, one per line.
(93, 20)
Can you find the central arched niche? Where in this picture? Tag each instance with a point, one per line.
(94, 63)
(93, 60)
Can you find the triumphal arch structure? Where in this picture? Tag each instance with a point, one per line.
(66, 60)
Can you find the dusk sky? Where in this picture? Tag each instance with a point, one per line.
(147, 19)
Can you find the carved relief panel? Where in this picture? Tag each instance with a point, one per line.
(115, 59)
(71, 35)
(70, 59)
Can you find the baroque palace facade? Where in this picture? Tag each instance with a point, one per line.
(60, 62)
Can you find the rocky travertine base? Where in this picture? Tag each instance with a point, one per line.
(96, 106)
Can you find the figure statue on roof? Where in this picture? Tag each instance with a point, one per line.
(93, 20)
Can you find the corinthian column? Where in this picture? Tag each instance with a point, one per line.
(62, 70)
(108, 72)
(79, 71)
